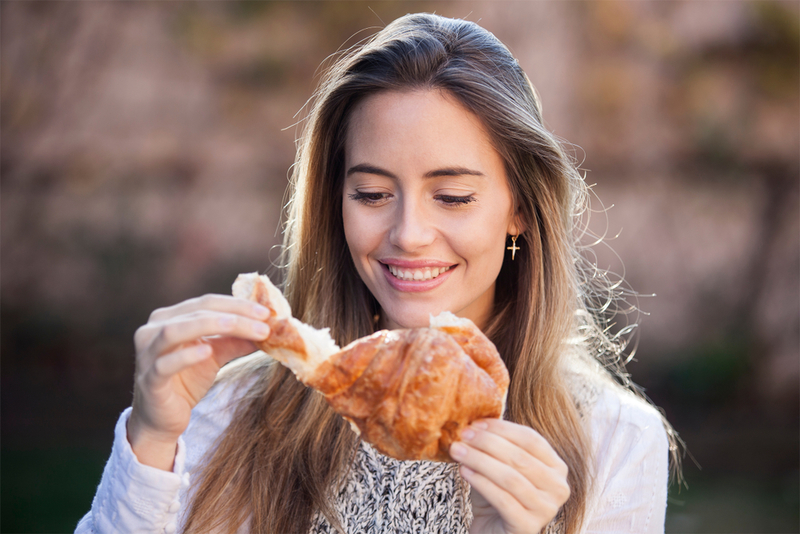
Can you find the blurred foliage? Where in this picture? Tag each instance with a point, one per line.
(735, 504)
(715, 375)
(46, 490)
(760, 67)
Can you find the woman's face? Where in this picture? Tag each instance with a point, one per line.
(426, 207)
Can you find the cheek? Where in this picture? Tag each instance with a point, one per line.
(482, 237)
(482, 243)
(351, 235)
(361, 236)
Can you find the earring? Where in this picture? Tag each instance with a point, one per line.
(513, 248)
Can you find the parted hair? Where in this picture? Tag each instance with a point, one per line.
(286, 452)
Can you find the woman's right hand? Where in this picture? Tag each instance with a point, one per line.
(178, 354)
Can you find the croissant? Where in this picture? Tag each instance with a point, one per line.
(409, 393)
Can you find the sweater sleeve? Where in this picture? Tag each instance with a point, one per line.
(631, 470)
(133, 497)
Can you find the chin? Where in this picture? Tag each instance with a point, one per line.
(417, 318)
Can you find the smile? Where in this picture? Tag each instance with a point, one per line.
(417, 274)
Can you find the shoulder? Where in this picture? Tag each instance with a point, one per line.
(615, 405)
(630, 465)
(610, 412)
(622, 422)
(630, 454)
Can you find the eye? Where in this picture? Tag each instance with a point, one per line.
(368, 198)
(451, 200)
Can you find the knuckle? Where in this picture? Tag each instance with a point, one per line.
(164, 338)
(206, 300)
(227, 323)
(519, 460)
(140, 336)
(539, 441)
(535, 441)
(138, 379)
(158, 367)
(156, 315)
(563, 492)
(197, 315)
(167, 333)
(144, 382)
(562, 467)
(513, 482)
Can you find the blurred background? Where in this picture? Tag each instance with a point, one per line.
(145, 150)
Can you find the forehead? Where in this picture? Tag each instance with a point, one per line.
(431, 124)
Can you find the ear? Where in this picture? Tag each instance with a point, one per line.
(515, 226)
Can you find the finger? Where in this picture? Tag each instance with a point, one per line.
(229, 348)
(509, 508)
(515, 517)
(212, 302)
(525, 438)
(170, 364)
(190, 328)
(524, 462)
(499, 474)
(219, 303)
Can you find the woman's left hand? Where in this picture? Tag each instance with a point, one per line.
(518, 481)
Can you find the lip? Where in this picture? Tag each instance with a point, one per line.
(416, 286)
(415, 264)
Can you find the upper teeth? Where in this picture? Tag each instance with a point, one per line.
(416, 274)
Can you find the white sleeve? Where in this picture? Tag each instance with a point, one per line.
(631, 471)
(133, 497)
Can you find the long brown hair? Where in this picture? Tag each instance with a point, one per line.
(285, 451)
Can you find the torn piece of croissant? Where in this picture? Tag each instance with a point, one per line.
(409, 393)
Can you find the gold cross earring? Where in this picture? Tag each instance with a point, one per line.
(513, 248)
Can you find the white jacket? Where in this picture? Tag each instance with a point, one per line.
(629, 494)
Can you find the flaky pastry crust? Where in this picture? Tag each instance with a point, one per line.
(409, 393)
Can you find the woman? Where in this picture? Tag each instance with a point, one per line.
(424, 182)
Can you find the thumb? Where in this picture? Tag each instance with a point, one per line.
(226, 349)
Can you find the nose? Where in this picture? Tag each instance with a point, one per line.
(413, 227)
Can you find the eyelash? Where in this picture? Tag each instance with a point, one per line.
(366, 198)
(369, 199)
(453, 200)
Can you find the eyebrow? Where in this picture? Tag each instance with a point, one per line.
(447, 171)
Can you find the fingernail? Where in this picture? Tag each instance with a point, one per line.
(201, 351)
(466, 472)
(467, 434)
(457, 450)
(261, 311)
(262, 329)
(480, 425)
